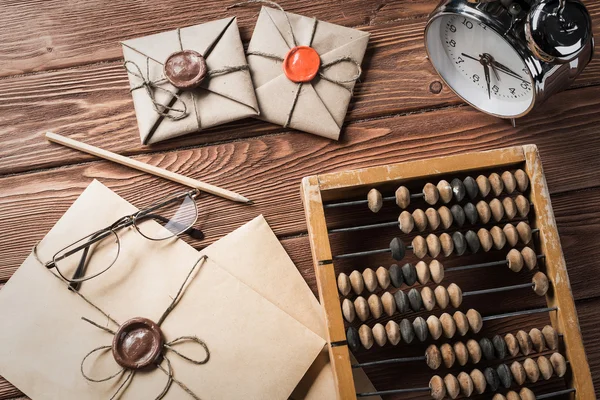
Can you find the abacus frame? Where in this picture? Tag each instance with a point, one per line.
(318, 189)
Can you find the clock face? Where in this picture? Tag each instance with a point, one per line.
(480, 66)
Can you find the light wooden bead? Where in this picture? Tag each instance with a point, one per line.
(452, 386)
(448, 325)
(512, 236)
(512, 344)
(446, 218)
(375, 306)
(419, 219)
(537, 338)
(496, 184)
(428, 298)
(455, 295)
(551, 337)
(433, 218)
(433, 245)
(524, 232)
(471, 187)
(389, 304)
(458, 214)
(406, 223)
(431, 193)
(498, 396)
(437, 387)
(512, 396)
(401, 300)
(434, 326)
(447, 244)
(492, 379)
(461, 353)
(515, 260)
(497, 210)
(407, 331)
(531, 370)
(471, 213)
(361, 308)
(483, 183)
(466, 384)
(462, 324)
(509, 181)
(522, 205)
(447, 355)
(366, 336)
(396, 276)
(357, 282)
(540, 283)
(524, 343)
(518, 373)
(353, 338)
(392, 330)
(383, 277)
(442, 298)
(485, 239)
(433, 357)
(522, 180)
(475, 320)
(474, 349)
(479, 383)
(402, 197)
(419, 246)
(374, 200)
(559, 364)
(370, 279)
(526, 394)
(379, 335)
(498, 237)
(343, 282)
(423, 273)
(348, 310)
(484, 212)
(445, 191)
(510, 208)
(545, 367)
(437, 271)
(504, 375)
(529, 257)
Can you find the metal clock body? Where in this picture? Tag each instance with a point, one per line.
(484, 54)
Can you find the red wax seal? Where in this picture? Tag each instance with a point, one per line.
(185, 69)
(137, 344)
(301, 64)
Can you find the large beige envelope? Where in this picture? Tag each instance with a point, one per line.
(257, 350)
(219, 99)
(322, 105)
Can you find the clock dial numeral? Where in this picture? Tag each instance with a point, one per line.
(467, 23)
(496, 89)
(476, 78)
(526, 85)
(512, 91)
(452, 28)
(482, 26)
(460, 60)
(452, 43)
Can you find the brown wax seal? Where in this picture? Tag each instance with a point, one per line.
(185, 69)
(137, 344)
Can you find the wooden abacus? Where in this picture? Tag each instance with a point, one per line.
(468, 206)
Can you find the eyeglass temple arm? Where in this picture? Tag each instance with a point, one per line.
(82, 264)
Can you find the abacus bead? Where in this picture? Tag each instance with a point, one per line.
(389, 304)
(499, 347)
(419, 245)
(475, 320)
(433, 245)
(462, 324)
(361, 308)
(510, 183)
(357, 282)
(496, 184)
(504, 375)
(458, 189)
(402, 197)
(470, 213)
(498, 237)
(343, 282)
(512, 344)
(433, 357)
(398, 249)
(431, 193)
(447, 355)
(353, 339)
(515, 260)
(537, 338)
(437, 271)
(512, 236)
(423, 273)
(383, 277)
(540, 283)
(392, 329)
(375, 306)
(492, 379)
(401, 300)
(366, 336)
(374, 200)
(379, 335)
(498, 396)
(531, 370)
(559, 364)
(433, 218)
(406, 223)
(442, 298)
(487, 348)
(474, 351)
(524, 342)
(414, 299)
(484, 212)
(458, 214)
(435, 327)
(522, 180)
(523, 206)
(512, 396)
(526, 394)
(550, 336)
(479, 383)
(529, 257)
(485, 239)
(545, 367)
(471, 187)
(396, 276)
(472, 241)
(452, 386)
(466, 384)
(518, 372)
(510, 208)
(348, 310)
(446, 218)
(437, 387)
(445, 191)
(428, 298)
(461, 353)
(455, 294)
(460, 244)
(410, 274)
(407, 331)
(447, 244)
(370, 279)
(497, 210)
(448, 325)
(524, 232)
(483, 184)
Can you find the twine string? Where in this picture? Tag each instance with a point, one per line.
(169, 373)
(123, 385)
(193, 339)
(272, 4)
(99, 326)
(97, 349)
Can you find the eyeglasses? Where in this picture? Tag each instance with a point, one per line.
(95, 253)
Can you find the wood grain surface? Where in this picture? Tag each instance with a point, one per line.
(60, 70)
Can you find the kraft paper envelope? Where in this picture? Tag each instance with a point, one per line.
(221, 98)
(321, 106)
(257, 351)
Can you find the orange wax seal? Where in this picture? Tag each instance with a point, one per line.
(137, 344)
(301, 64)
(185, 69)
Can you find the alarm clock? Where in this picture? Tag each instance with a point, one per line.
(507, 57)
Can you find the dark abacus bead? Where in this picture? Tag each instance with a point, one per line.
(492, 378)
(407, 331)
(415, 299)
(472, 241)
(471, 213)
(505, 375)
(458, 214)
(410, 274)
(420, 328)
(471, 187)
(401, 300)
(396, 276)
(398, 249)
(353, 339)
(500, 346)
(487, 348)
(458, 188)
(460, 244)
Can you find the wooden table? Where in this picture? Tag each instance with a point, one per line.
(61, 70)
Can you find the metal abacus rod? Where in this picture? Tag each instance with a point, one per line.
(360, 202)
(427, 389)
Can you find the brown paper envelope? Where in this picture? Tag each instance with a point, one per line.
(257, 350)
(219, 99)
(322, 105)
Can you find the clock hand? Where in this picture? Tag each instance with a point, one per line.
(507, 70)
(471, 57)
(486, 69)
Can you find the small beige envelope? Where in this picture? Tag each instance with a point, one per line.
(221, 98)
(321, 104)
